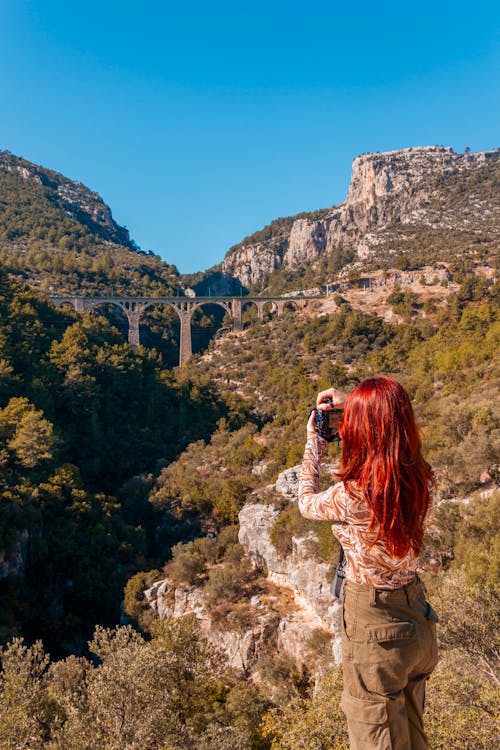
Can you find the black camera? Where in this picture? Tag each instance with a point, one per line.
(326, 421)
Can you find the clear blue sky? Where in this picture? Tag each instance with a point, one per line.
(200, 122)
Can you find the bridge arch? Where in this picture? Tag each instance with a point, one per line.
(270, 310)
(160, 329)
(225, 304)
(66, 302)
(208, 317)
(113, 312)
(77, 303)
(250, 312)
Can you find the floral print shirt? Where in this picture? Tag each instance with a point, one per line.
(351, 517)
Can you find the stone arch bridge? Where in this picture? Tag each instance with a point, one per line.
(133, 307)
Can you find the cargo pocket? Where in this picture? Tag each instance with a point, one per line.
(365, 711)
(394, 631)
(368, 722)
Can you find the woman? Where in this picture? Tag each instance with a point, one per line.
(377, 512)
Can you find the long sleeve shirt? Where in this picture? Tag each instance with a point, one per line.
(351, 517)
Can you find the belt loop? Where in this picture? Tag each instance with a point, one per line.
(373, 596)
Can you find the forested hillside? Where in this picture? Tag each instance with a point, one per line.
(61, 237)
(119, 473)
(96, 488)
(84, 421)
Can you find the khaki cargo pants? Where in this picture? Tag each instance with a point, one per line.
(389, 650)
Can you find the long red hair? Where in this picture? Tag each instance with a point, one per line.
(382, 457)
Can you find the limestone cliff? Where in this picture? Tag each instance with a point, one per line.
(394, 198)
(302, 580)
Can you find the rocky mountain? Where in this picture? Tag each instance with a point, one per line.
(429, 202)
(70, 197)
(59, 236)
(410, 207)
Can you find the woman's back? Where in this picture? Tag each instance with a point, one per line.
(368, 559)
(377, 512)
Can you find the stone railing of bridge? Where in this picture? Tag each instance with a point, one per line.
(133, 307)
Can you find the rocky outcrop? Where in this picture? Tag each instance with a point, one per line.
(215, 284)
(287, 484)
(307, 241)
(242, 647)
(300, 572)
(251, 263)
(310, 605)
(409, 187)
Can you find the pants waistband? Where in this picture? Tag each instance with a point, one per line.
(408, 590)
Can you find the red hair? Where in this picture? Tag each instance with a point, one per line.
(382, 457)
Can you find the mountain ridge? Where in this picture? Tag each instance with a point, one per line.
(60, 237)
(78, 200)
(423, 204)
(402, 198)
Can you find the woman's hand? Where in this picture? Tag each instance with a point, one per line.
(338, 399)
(311, 426)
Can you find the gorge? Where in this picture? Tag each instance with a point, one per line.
(170, 491)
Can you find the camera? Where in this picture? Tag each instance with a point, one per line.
(326, 422)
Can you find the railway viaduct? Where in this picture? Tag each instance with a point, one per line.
(133, 307)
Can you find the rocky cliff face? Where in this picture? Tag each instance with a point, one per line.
(242, 648)
(307, 579)
(300, 577)
(431, 188)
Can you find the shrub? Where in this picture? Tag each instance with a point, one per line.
(477, 550)
(188, 565)
(430, 307)
(402, 302)
(234, 553)
(320, 645)
(462, 707)
(228, 582)
(233, 616)
(231, 498)
(291, 524)
(317, 722)
(288, 524)
(228, 536)
(135, 604)
(208, 547)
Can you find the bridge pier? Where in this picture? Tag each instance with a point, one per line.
(260, 309)
(133, 329)
(133, 310)
(184, 311)
(236, 308)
